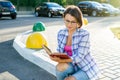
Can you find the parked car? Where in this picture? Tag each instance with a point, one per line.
(113, 11)
(50, 9)
(92, 8)
(7, 9)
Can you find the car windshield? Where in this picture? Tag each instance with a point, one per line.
(96, 4)
(5, 4)
(53, 5)
(110, 6)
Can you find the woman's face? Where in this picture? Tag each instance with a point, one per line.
(70, 22)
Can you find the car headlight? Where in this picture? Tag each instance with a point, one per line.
(37, 8)
(53, 9)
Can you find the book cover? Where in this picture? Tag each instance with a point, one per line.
(60, 55)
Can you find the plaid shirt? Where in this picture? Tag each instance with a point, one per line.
(80, 51)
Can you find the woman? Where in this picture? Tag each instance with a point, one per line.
(74, 41)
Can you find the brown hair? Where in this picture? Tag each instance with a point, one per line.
(75, 12)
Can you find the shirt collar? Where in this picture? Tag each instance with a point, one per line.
(75, 33)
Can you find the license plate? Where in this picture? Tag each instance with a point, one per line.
(5, 12)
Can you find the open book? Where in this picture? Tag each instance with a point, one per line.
(60, 55)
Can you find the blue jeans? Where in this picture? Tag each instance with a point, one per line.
(79, 74)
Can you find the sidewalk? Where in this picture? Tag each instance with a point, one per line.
(106, 51)
(25, 13)
(105, 48)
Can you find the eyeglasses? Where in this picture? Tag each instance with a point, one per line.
(71, 22)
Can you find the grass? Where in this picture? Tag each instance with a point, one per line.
(116, 32)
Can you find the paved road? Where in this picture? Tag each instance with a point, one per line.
(105, 48)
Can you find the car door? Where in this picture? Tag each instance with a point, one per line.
(0, 8)
(0, 11)
(44, 9)
(80, 7)
(83, 7)
(89, 8)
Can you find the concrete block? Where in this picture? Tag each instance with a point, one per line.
(38, 57)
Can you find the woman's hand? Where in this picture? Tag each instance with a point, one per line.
(58, 59)
(70, 78)
(54, 58)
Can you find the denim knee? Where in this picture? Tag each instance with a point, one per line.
(80, 75)
(62, 74)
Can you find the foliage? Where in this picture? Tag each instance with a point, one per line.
(115, 3)
(116, 32)
(33, 3)
(24, 2)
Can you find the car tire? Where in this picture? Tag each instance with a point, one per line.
(49, 14)
(89, 14)
(13, 17)
(36, 14)
(94, 13)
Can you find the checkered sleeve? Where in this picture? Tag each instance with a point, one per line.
(61, 41)
(83, 48)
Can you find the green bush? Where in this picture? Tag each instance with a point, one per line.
(33, 3)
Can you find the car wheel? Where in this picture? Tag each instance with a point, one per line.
(13, 17)
(36, 14)
(89, 14)
(94, 13)
(49, 14)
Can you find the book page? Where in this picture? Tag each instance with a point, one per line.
(60, 55)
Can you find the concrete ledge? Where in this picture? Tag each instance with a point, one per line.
(38, 57)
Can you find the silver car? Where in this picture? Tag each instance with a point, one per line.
(113, 11)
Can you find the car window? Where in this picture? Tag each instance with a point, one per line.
(96, 4)
(5, 4)
(82, 5)
(53, 5)
(89, 5)
(108, 5)
(0, 4)
(0, 8)
(44, 5)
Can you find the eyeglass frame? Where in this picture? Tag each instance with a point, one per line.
(71, 22)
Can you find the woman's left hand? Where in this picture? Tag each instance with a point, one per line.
(58, 59)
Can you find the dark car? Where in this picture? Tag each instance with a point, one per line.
(7, 9)
(49, 9)
(92, 8)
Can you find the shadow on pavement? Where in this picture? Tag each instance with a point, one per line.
(22, 69)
